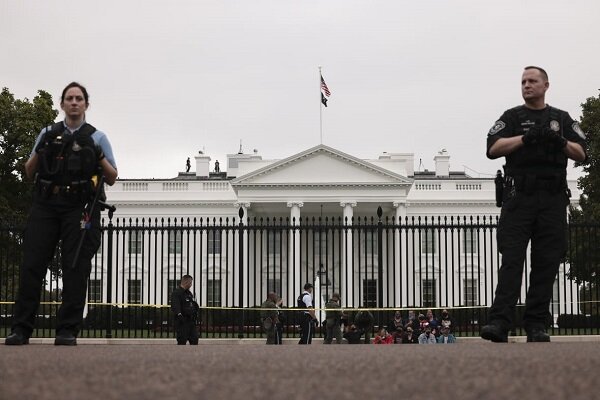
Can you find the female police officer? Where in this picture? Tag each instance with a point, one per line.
(66, 163)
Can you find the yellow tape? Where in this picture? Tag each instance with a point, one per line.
(123, 305)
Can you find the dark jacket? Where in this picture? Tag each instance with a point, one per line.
(182, 302)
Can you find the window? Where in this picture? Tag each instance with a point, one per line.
(274, 244)
(134, 291)
(368, 243)
(470, 292)
(428, 241)
(274, 285)
(213, 293)
(369, 293)
(319, 245)
(214, 242)
(95, 291)
(172, 284)
(470, 242)
(175, 242)
(428, 290)
(135, 243)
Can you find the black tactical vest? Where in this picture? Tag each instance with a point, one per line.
(542, 158)
(67, 159)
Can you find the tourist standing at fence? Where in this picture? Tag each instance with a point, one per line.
(69, 162)
(270, 318)
(308, 320)
(446, 321)
(333, 320)
(185, 312)
(537, 141)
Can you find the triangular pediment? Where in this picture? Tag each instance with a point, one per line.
(321, 166)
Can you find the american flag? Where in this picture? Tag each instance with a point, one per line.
(324, 87)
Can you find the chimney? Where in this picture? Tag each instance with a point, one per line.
(202, 165)
(442, 164)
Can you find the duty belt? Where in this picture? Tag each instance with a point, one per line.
(48, 188)
(531, 183)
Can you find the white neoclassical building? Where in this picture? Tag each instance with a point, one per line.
(422, 265)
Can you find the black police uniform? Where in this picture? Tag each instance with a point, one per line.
(307, 323)
(63, 193)
(535, 199)
(185, 310)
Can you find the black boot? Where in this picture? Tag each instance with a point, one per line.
(65, 339)
(16, 339)
(495, 333)
(537, 335)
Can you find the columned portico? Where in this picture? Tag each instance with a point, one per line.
(347, 265)
(294, 253)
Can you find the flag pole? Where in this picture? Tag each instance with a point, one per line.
(320, 107)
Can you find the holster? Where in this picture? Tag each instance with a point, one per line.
(499, 181)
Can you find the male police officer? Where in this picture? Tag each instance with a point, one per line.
(536, 140)
(308, 318)
(185, 309)
(67, 160)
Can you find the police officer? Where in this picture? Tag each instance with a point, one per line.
(270, 318)
(537, 140)
(308, 319)
(67, 161)
(185, 309)
(333, 315)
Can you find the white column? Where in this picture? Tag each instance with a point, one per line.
(399, 218)
(293, 278)
(244, 267)
(347, 284)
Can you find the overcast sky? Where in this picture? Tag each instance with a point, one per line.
(167, 79)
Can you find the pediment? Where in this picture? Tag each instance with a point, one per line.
(321, 166)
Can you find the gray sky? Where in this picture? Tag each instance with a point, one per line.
(167, 79)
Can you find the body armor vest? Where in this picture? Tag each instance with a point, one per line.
(67, 161)
(543, 158)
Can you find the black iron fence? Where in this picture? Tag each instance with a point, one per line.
(385, 265)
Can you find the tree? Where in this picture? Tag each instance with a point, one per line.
(584, 252)
(20, 123)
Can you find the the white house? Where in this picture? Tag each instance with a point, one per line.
(421, 268)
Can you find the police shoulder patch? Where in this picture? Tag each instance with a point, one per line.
(578, 130)
(498, 126)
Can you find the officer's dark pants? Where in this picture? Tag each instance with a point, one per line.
(185, 330)
(307, 328)
(271, 335)
(333, 332)
(541, 217)
(279, 334)
(51, 219)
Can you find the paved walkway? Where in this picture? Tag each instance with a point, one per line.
(470, 369)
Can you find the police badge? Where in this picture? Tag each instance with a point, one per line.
(554, 126)
(578, 130)
(498, 126)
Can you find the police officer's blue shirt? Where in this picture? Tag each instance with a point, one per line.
(99, 137)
